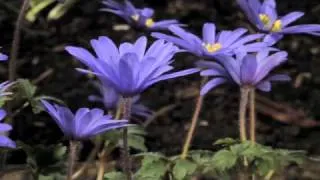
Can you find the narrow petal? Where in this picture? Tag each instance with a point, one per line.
(3, 57)
(211, 84)
(272, 38)
(147, 12)
(3, 114)
(164, 24)
(235, 35)
(140, 47)
(291, 17)
(5, 127)
(264, 86)
(209, 33)
(248, 69)
(313, 29)
(6, 142)
(112, 4)
(279, 77)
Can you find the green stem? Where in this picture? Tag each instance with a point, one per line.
(126, 115)
(252, 116)
(244, 92)
(72, 158)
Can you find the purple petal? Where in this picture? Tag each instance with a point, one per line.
(211, 84)
(272, 38)
(209, 33)
(147, 12)
(291, 17)
(3, 57)
(6, 142)
(105, 48)
(248, 69)
(251, 7)
(264, 86)
(140, 47)
(235, 35)
(268, 64)
(5, 127)
(112, 4)
(164, 24)
(279, 77)
(313, 29)
(3, 114)
(269, 7)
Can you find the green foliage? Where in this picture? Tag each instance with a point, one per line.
(27, 91)
(114, 176)
(224, 160)
(45, 159)
(183, 168)
(135, 138)
(153, 167)
(57, 11)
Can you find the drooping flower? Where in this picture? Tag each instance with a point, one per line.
(212, 44)
(265, 17)
(130, 69)
(140, 18)
(85, 123)
(111, 99)
(4, 140)
(252, 70)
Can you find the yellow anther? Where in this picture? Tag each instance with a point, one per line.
(213, 47)
(277, 26)
(149, 22)
(264, 19)
(135, 17)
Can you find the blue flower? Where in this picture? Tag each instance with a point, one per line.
(130, 69)
(110, 98)
(141, 18)
(212, 44)
(85, 123)
(264, 16)
(4, 140)
(251, 70)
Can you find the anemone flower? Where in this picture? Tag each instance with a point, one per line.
(251, 71)
(141, 18)
(110, 98)
(85, 123)
(264, 16)
(129, 69)
(212, 44)
(4, 140)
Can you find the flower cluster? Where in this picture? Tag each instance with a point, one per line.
(140, 18)
(265, 18)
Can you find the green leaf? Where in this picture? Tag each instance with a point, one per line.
(26, 88)
(183, 168)
(152, 168)
(225, 141)
(36, 7)
(114, 176)
(224, 160)
(60, 9)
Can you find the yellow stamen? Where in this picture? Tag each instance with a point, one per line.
(277, 26)
(213, 47)
(135, 17)
(149, 22)
(264, 19)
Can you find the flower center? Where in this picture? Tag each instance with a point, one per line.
(135, 17)
(275, 27)
(149, 22)
(212, 47)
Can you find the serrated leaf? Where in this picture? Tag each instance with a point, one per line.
(114, 176)
(153, 168)
(137, 142)
(183, 168)
(224, 160)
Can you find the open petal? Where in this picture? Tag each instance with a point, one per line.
(264, 86)
(6, 142)
(3, 57)
(112, 4)
(147, 12)
(5, 127)
(211, 84)
(209, 33)
(164, 24)
(234, 36)
(2, 114)
(306, 28)
(279, 77)
(272, 38)
(248, 69)
(291, 17)
(140, 47)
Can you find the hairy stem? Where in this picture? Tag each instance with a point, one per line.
(16, 41)
(252, 116)
(126, 115)
(72, 158)
(191, 131)
(194, 122)
(242, 112)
